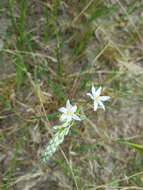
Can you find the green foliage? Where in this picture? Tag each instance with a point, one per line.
(20, 70)
(100, 12)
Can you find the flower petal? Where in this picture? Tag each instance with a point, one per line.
(95, 105)
(98, 91)
(74, 108)
(68, 105)
(68, 118)
(104, 98)
(63, 117)
(75, 117)
(101, 105)
(93, 90)
(89, 94)
(62, 109)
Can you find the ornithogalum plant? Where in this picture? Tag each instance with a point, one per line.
(97, 99)
(68, 117)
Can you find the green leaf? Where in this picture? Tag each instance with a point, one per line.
(132, 145)
(20, 70)
(100, 12)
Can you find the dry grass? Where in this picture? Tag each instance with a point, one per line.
(54, 50)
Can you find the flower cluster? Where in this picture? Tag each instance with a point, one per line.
(68, 116)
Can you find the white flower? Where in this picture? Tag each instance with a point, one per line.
(68, 113)
(97, 99)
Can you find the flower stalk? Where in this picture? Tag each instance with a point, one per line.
(69, 115)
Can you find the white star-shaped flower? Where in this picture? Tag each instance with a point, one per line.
(68, 113)
(97, 99)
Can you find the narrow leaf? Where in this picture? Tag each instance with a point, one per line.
(135, 146)
(100, 12)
